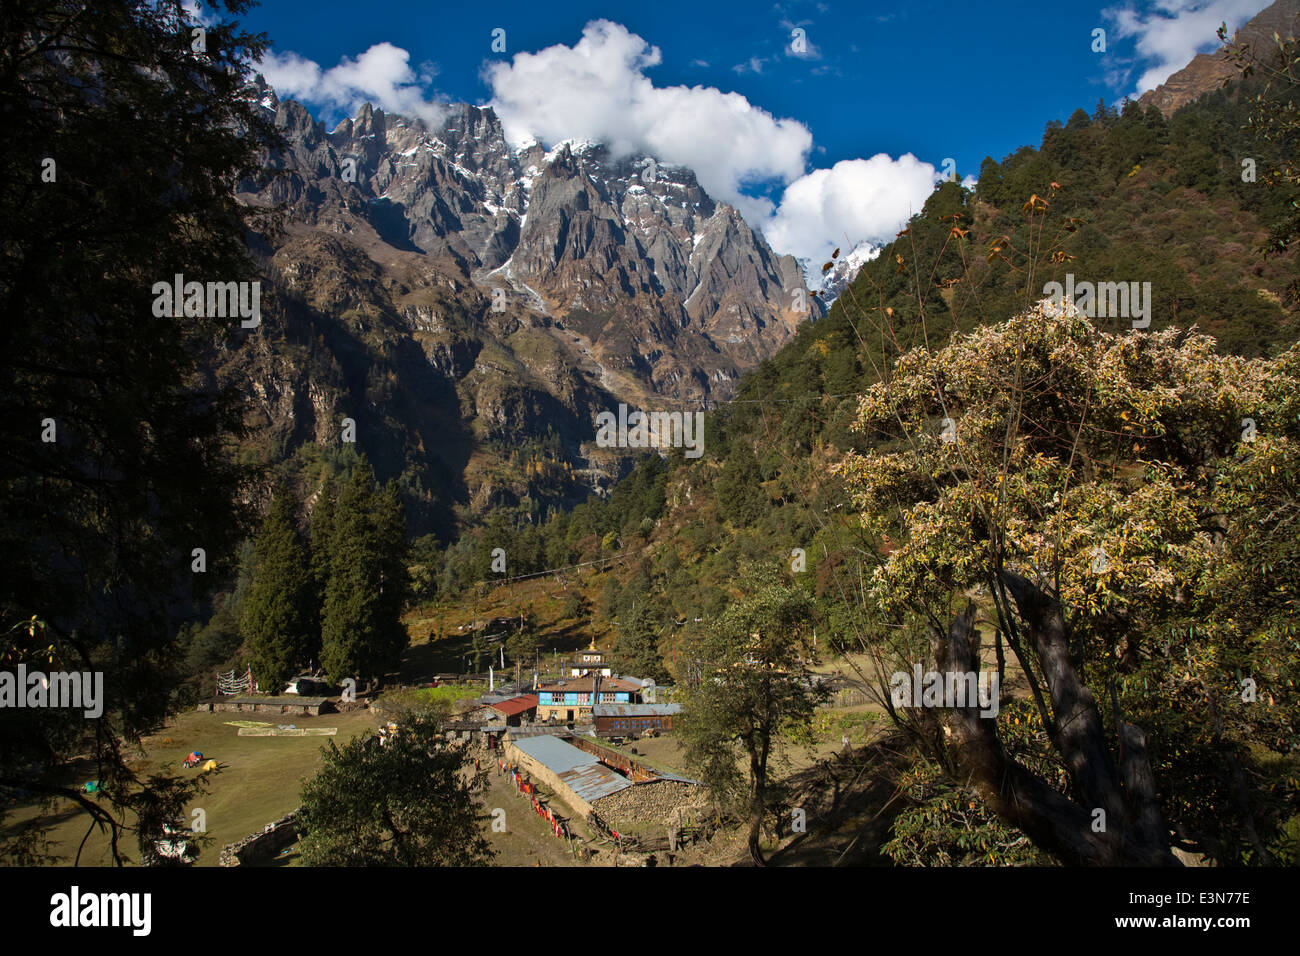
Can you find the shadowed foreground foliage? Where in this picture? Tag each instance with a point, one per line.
(411, 802)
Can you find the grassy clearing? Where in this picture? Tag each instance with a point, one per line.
(259, 779)
(417, 698)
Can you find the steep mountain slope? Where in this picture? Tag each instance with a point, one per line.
(472, 306)
(628, 241)
(1209, 71)
(1131, 197)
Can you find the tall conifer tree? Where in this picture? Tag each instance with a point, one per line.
(322, 543)
(351, 593)
(394, 577)
(277, 618)
(361, 629)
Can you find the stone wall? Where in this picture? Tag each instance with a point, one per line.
(304, 706)
(264, 845)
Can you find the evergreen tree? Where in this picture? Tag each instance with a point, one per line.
(637, 649)
(361, 628)
(322, 544)
(389, 521)
(350, 610)
(741, 499)
(521, 646)
(479, 652)
(277, 617)
(118, 495)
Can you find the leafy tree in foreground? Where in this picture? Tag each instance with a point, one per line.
(411, 802)
(948, 825)
(1120, 512)
(750, 687)
(123, 148)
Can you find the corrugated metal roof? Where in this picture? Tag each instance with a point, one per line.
(635, 710)
(596, 781)
(516, 705)
(555, 753)
(536, 730)
(668, 775)
(582, 772)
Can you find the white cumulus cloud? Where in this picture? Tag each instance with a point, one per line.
(382, 75)
(855, 201)
(1170, 32)
(597, 89)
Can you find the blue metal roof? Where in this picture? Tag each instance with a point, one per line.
(555, 754)
(582, 772)
(595, 781)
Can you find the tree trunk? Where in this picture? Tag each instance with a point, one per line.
(1132, 831)
(756, 811)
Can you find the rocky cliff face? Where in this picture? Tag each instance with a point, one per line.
(1208, 71)
(669, 285)
(467, 303)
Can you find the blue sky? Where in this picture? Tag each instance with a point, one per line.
(763, 114)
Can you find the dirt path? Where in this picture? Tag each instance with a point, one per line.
(527, 840)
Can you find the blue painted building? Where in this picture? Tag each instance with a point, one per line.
(572, 699)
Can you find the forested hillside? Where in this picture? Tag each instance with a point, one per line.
(1094, 462)
(1107, 197)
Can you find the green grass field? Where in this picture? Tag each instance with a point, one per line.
(420, 697)
(259, 780)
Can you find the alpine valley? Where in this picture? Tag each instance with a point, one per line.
(473, 307)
